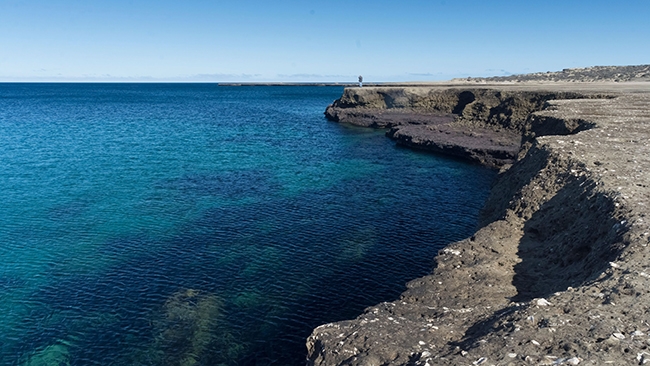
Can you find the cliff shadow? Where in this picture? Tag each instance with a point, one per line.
(532, 160)
(508, 185)
(568, 241)
(464, 98)
(541, 125)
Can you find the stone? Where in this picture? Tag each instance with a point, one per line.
(549, 230)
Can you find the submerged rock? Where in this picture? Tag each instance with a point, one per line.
(53, 355)
(189, 332)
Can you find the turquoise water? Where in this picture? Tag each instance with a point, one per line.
(182, 224)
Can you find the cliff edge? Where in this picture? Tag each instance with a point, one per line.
(558, 273)
(484, 125)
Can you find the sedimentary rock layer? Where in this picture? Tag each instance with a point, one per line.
(484, 125)
(558, 272)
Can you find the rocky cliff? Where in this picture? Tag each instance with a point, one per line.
(485, 125)
(558, 273)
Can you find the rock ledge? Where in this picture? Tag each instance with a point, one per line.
(484, 125)
(558, 273)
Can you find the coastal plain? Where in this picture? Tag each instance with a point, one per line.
(558, 272)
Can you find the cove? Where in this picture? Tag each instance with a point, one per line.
(175, 224)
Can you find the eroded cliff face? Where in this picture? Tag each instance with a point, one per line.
(558, 273)
(484, 125)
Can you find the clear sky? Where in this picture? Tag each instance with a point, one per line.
(313, 40)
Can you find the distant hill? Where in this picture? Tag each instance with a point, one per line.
(588, 74)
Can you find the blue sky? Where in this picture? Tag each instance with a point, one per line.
(312, 40)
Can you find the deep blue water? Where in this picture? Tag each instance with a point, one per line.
(181, 224)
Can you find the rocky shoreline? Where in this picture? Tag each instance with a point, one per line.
(558, 272)
(484, 125)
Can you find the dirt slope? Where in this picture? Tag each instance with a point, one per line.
(557, 274)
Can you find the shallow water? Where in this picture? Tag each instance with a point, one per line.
(173, 224)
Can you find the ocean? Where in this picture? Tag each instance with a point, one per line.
(197, 224)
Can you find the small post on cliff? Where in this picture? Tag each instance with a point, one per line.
(360, 81)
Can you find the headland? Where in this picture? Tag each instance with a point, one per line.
(558, 271)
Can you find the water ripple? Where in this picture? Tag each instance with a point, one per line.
(142, 223)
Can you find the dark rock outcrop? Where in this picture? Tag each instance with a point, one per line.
(558, 273)
(479, 144)
(484, 125)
